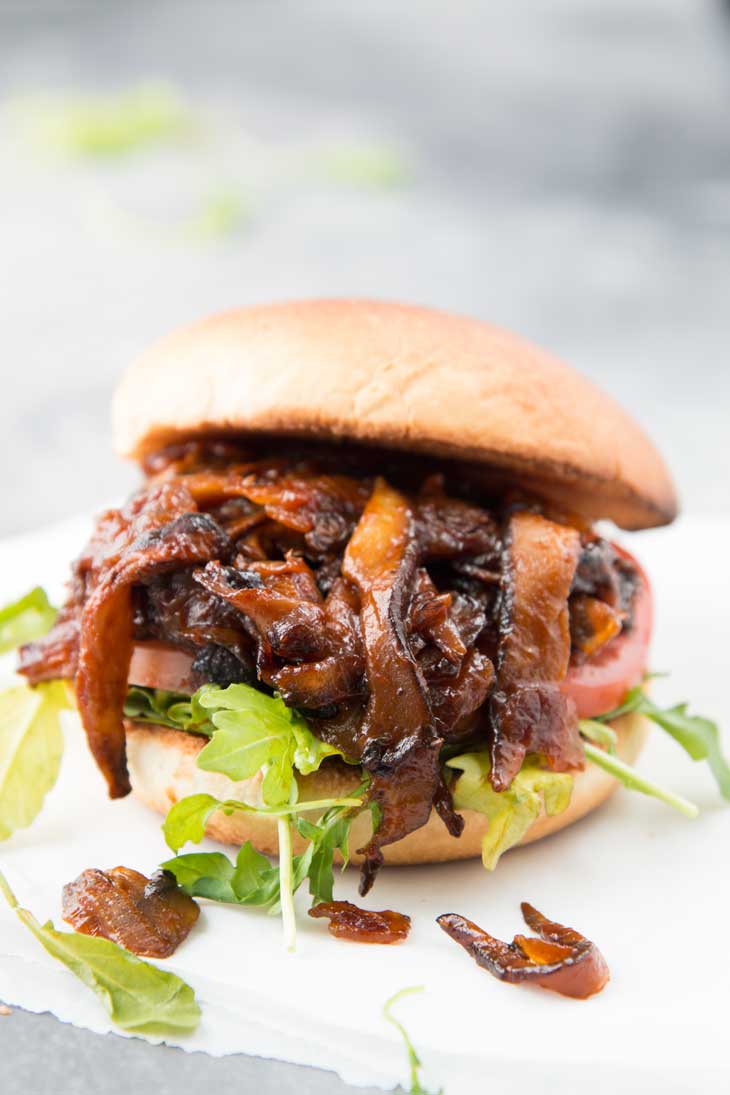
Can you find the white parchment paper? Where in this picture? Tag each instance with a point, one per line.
(650, 887)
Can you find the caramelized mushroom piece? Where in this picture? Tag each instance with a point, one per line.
(348, 921)
(561, 960)
(529, 714)
(107, 628)
(149, 916)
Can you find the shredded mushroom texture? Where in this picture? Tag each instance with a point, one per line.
(401, 614)
(561, 959)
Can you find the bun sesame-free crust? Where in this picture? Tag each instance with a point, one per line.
(400, 378)
(163, 770)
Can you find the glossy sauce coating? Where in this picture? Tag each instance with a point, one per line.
(148, 916)
(561, 959)
(347, 921)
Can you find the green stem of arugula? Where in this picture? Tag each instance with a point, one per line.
(288, 915)
(7, 892)
(636, 782)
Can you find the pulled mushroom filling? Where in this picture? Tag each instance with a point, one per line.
(400, 614)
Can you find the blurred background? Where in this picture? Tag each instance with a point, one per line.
(561, 167)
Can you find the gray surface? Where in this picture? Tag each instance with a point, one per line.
(44, 1057)
(570, 165)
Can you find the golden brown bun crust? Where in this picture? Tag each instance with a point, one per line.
(163, 770)
(398, 377)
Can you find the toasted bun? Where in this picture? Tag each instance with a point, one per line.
(398, 377)
(163, 770)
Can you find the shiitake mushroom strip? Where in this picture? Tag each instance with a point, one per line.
(148, 916)
(561, 959)
(529, 714)
(105, 649)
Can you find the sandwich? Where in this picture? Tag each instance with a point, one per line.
(362, 582)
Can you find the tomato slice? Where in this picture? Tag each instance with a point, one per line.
(155, 665)
(601, 683)
(597, 686)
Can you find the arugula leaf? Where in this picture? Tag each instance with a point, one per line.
(26, 619)
(251, 880)
(138, 996)
(172, 709)
(187, 819)
(698, 736)
(510, 812)
(329, 834)
(249, 730)
(599, 733)
(31, 747)
(254, 731)
(636, 782)
(414, 1061)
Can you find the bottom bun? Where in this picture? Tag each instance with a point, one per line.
(163, 770)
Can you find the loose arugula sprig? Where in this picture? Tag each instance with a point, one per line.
(632, 780)
(251, 732)
(251, 880)
(188, 818)
(698, 736)
(138, 996)
(414, 1061)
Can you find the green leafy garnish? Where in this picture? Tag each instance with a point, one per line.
(223, 213)
(31, 746)
(138, 996)
(510, 812)
(599, 733)
(331, 833)
(636, 782)
(187, 819)
(252, 880)
(368, 165)
(414, 1061)
(26, 619)
(254, 731)
(161, 708)
(106, 126)
(698, 736)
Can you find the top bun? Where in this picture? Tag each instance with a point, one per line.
(398, 377)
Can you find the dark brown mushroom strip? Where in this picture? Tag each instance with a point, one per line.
(450, 529)
(341, 674)
(324, 508)
(529, 715)
(148, 916)
(107, 632)
(561, 960)
(454, 698)
(176, 610)
(347, 921)
(55, 656)
(282, 601)
(380, 561)
(405, 781)
(430, 618)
